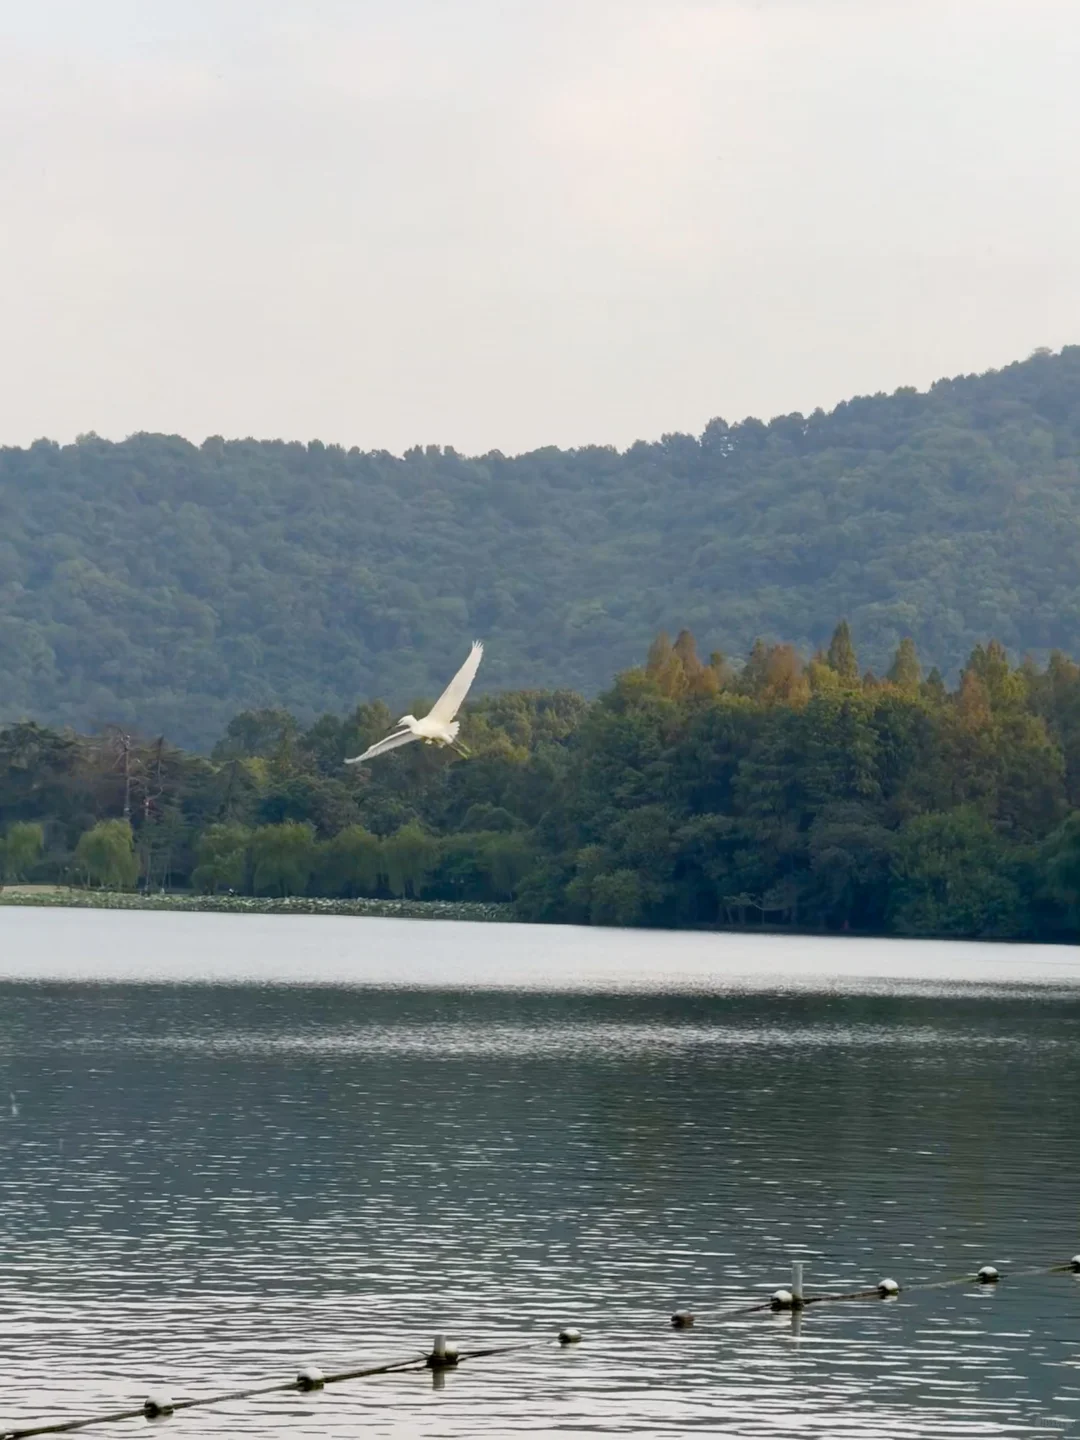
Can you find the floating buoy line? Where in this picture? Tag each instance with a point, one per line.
(445, 1355)
(885, 1289)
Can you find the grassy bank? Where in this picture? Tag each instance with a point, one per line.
(252, 905)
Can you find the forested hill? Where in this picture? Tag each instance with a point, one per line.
(167, 585)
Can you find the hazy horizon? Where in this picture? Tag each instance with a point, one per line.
(504, 227)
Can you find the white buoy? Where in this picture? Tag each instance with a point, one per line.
(1074, 1263)
(442, 1354)
(988, 1275)
(887, 1288)
(570, 1335)
(782, 1300)
(682, 1319)
(311, 1378)
(158, 1402)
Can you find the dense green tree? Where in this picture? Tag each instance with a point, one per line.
(508, 858)
(934, 686)
(1055, 695)
(269, 734)
(20, 849)
(1059, 866)
(222, 858)
(850, 853)
(43, 774)
(952, 878)
(283, 857)
(774, 794)
(905, 671)
(351, 863)
(841, 657)
(618, 897)
(105, 855)
(485, 816)
(408, 857)
(311, 798)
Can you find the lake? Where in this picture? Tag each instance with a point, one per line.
(234, 1144)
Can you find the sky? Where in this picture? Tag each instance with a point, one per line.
(500, 224)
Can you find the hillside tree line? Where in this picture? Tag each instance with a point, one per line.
(168, 586)
(789, 793)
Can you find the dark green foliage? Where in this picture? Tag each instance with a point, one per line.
(167, 586)
(20, 849)
(952, 877)
(841, 654)
(822, 799)
(282, 858)
(105, 855)
(905, 672)
(351, 864)
(789, 796)
(222, 859)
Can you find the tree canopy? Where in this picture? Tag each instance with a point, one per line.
(166, 586)
(788, 792)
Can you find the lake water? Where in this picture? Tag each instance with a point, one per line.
(233, 1144)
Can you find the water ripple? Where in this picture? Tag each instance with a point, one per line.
(206, 1186)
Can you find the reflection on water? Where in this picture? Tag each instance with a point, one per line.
(207, 1185)
(335, 950)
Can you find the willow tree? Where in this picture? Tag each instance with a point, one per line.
(20, 849)
(105, 855)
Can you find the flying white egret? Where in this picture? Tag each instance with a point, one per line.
(438, 727)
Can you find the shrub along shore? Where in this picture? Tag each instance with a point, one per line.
(56, 897)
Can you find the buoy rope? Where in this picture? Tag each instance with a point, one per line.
(59, 1427)
(874, 1292)
(420, 1360)
(719, 1316)
(417, 1361)
(971, 1278)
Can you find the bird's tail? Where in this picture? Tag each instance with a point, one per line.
(452, 729)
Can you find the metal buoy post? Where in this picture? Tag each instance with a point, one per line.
(797, 1284)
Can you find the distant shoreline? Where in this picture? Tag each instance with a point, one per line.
(57, 897)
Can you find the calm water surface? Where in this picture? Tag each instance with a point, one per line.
(232, 1144)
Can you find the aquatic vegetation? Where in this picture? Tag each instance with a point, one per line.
(259, 904)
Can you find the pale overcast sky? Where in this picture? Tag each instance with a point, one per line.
(501, 225)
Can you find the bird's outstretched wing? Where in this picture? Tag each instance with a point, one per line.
(449, 702)
(401, 737)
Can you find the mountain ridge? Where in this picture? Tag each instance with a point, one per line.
(166, 585)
